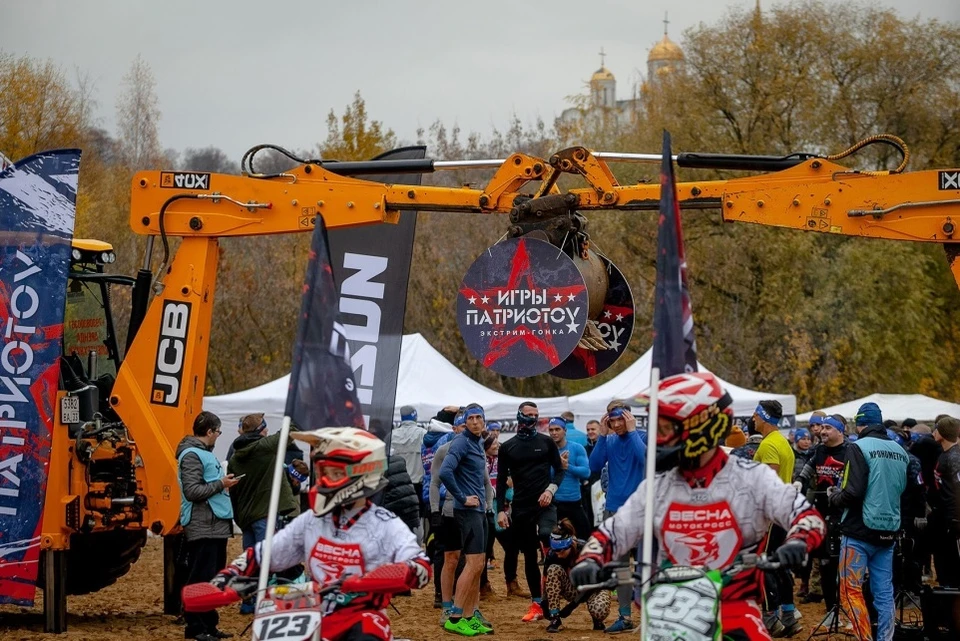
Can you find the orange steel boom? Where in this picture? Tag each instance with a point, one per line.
(815, 195)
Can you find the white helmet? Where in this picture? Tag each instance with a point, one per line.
(361, 458)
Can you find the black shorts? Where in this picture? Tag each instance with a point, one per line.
(471, 524)
(450, 535)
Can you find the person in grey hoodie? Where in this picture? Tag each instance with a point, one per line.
(406, 441)
(205, 515)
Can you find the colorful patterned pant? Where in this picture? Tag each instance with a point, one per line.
(856, 559)
(559, 588)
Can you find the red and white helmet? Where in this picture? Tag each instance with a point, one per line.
(699, 409)
(349, 464)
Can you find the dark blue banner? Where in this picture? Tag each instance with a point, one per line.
(322, 390)
(371, 265)
(38, 198)
(674, 343)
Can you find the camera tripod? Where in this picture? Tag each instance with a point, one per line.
(833, 629)
(829, 625)
(902, 595)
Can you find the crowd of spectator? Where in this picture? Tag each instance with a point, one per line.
(889, 493)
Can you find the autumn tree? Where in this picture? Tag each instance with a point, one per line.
(353, 136)
(39, 108)
(827, 318)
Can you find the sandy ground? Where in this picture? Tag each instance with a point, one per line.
(132, 609)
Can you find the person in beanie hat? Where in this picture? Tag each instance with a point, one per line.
(874, 478)
(802, 450)
(736, 437)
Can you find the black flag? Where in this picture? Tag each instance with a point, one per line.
(372, 266)
(674, 343)
(322, 391)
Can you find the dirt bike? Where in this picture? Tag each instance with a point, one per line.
(308, 611)
(682, 602)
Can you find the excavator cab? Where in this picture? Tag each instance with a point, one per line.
(101, 545)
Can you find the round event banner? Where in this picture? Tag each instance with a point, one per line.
(615, 325)
(522, 307)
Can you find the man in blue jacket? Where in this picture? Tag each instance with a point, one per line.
(574, 460)
(874, 477)
(463, 473)
(622, 448)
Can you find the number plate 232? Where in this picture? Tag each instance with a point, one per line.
(688, 611)
(289, 626)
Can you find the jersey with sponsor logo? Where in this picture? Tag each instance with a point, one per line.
(711, 526)
(376, 538)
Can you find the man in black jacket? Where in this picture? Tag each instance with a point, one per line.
(400, 496)
(944, 522)
(532, 460)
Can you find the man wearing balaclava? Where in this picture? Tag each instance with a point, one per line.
(533, 461)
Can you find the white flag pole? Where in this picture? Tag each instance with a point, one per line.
(274, 507)
(649, 506)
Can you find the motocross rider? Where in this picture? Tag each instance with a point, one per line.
(344, 534)
(709, 508)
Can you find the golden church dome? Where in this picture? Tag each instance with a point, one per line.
(601, 74)
(665, 50)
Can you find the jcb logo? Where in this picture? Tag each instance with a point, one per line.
(171, 350)
(184, 180)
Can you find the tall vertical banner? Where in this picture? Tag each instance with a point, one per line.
(674, 343)
(372, 266)
(38, 197)
(322, 391)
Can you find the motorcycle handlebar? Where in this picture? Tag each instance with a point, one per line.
(745, 562)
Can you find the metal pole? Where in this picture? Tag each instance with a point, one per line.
(272, 511)
(625, 157)
(468, 164)
(647, 560)
(148, 254)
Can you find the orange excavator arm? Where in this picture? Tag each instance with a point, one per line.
(812, 195)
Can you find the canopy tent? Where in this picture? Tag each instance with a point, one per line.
(427, 381)
(636, 378)
(923, 409)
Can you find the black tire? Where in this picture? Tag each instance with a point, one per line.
(98, 559)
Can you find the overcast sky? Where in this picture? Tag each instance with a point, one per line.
(236, 73)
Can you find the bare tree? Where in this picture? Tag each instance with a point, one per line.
(138, 115)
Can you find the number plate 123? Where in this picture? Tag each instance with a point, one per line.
(291, 626)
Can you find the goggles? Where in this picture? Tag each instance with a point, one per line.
(260, 428)
(339, 470)
(560, 542)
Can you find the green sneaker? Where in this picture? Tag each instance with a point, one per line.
(482, 619)
(478, 625)
(461, 627)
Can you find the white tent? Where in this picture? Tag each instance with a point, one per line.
(922, 408)
(636, 378)
(427, 381)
